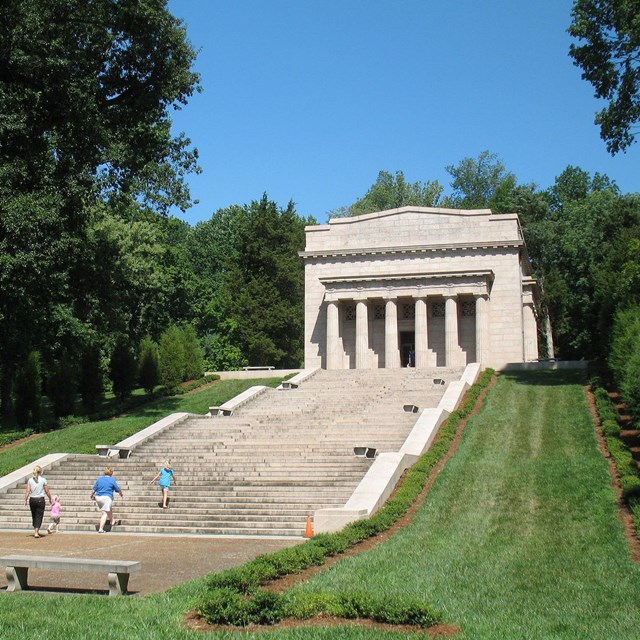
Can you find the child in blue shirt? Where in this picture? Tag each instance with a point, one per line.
(165, 477)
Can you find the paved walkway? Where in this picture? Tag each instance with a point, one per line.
(167, 560)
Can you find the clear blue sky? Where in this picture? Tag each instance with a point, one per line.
(309, 99)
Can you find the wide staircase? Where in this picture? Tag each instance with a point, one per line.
(260, 471)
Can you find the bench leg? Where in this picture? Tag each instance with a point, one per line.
(17, 578)
(118, 583)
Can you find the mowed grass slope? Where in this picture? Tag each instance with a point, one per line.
(83, 438)
(519, 537)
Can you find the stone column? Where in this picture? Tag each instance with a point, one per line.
(362, 335)
(482, 337)
(333, 338)
(421, 333)
(530, 333)
(391, 347)
(450, 330)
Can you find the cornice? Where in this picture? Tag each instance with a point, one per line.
(413, 249)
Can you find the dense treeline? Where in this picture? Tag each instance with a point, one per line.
(101, 287)
(98, 284)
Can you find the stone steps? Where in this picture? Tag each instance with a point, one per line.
(261, 471)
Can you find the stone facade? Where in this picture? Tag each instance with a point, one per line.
(451, 286)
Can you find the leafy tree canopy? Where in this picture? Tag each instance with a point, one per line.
(479, 183)
(262, 286)
(609, 56)
(86, 87)
(392, 192)
(84, 92)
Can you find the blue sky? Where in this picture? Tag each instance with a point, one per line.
(308, 100)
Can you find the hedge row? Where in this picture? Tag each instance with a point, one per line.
(229, 607)
(619, 451)
(132, 402)
(11, 436)
(235, 596)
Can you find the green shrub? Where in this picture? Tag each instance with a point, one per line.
(621, 456)
(28, 397)
(412, 612)
(61, 387)
(306, 605)
(11, 436)
(220, 352)
(171, 358)
(624, 356)
(243, 580)
(265, 607)
(634, 506)
(223, 606)
(610, 428)
(360, 605)
(193, 362)
(618, 450)
(330, 544)
(194, 384)
(148, 369)
(630, 485)
(91, 378)
(122, 369)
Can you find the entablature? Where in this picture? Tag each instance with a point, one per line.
(408, 285)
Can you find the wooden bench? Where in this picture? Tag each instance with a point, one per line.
(18, 568)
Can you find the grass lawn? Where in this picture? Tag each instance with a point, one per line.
(519, 538)
(82, 438)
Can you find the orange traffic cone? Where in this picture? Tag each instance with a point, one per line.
(309, 532)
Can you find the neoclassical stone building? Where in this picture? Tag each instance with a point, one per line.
(453, 286)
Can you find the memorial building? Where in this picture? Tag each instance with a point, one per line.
(434, 287)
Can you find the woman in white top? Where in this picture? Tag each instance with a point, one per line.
(34, 495)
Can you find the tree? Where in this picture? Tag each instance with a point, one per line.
(122, 369)
(624, 357)
(581, 246)
(262, 286)
(393, 192)
(28, 396)
(610, 61)
(61, 387)
(148, 368)
(91, 382)
(85, 136)
(171, 357)
(193, 363)
(481, 183)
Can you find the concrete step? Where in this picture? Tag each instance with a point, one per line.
(261, 471)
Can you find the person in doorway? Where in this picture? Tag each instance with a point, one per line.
(103, 490)
(34, 496)
(412, 359)
(165, 477)
(55, 515)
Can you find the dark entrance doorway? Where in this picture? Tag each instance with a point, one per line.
(407, 343)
